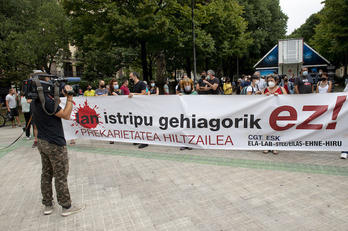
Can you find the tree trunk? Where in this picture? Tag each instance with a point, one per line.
(188, 66)
(161, 69)
(206, 64)
(144, 61)
(345, 66)
(150, 69)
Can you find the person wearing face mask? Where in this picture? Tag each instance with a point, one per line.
(262, 83)
(201, 86)
(139, 88)
(114, 88)
(324, 86)
(153, 88)
(253, 88)
(221, 85)
(188, 89)
(89, 91)
(273, 88)
(101, 91)
(212, 83)
(288, 86)
(114, 91)
(318, 76)
(246, 81)
(304, 83)
(227, 87)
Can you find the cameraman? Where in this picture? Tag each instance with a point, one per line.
(53, 151)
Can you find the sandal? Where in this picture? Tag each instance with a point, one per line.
(266, 151)
(275, 152)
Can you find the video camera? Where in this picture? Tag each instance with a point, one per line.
(31, 92)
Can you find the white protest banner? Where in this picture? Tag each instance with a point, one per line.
(286, 122)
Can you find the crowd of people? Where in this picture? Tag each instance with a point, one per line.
(49, 133)
(208, 84)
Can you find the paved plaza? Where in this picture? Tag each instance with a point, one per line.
(163, 188)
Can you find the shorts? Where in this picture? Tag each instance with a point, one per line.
(14, 111)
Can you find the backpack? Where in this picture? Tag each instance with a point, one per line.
(245, 90)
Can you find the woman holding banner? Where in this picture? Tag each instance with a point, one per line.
(273, 88)
(324, 86)
(253, 88)
(153, 88)
(114, 89)
(188, 89)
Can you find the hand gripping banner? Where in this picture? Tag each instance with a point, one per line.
(285, 122)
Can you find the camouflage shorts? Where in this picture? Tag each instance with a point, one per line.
(55, 163)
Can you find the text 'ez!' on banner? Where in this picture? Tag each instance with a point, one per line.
(284, 122)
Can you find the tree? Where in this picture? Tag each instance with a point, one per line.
(136, 25)
(267, 24)
(159, 30)
(33, 35)
(227, 28)
(331, 34)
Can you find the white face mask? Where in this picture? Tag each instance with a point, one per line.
(271, 84)
(257, 81)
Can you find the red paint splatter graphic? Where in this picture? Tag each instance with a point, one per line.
(86, 117)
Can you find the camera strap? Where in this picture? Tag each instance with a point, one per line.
(42, 97)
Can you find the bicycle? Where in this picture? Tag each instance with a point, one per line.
(3, 119)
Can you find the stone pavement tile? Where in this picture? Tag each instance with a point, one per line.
(151, 190)
(179, 224)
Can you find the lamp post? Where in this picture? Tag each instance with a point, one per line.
(194, 42)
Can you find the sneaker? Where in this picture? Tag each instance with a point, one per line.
(344, 155)
(28, 137)
(143, 145)
(49, 209)
(34, 144)
(73, 209)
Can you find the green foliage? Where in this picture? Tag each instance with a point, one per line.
(31, 35)
(267, 24)
(332, 32)
(149, 28)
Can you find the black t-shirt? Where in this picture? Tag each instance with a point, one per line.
(212, 82)
(201, 84)
(49, 127)
(140, 86)
(304, 84)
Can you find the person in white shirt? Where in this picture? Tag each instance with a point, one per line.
(27, 115)
(11, 104)
(253, 88)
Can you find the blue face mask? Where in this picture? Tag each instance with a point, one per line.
(187, 88)
(152, 84)
(208, 77)
(305, 73)
(115, 87)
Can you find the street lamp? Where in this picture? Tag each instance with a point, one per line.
(194, 42)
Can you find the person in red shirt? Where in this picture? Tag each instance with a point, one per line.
(273, 88)
(124, 87)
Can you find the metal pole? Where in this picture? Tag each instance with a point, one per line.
(237, 67)
(194, 42)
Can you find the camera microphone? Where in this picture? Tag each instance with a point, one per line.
(73, 79)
